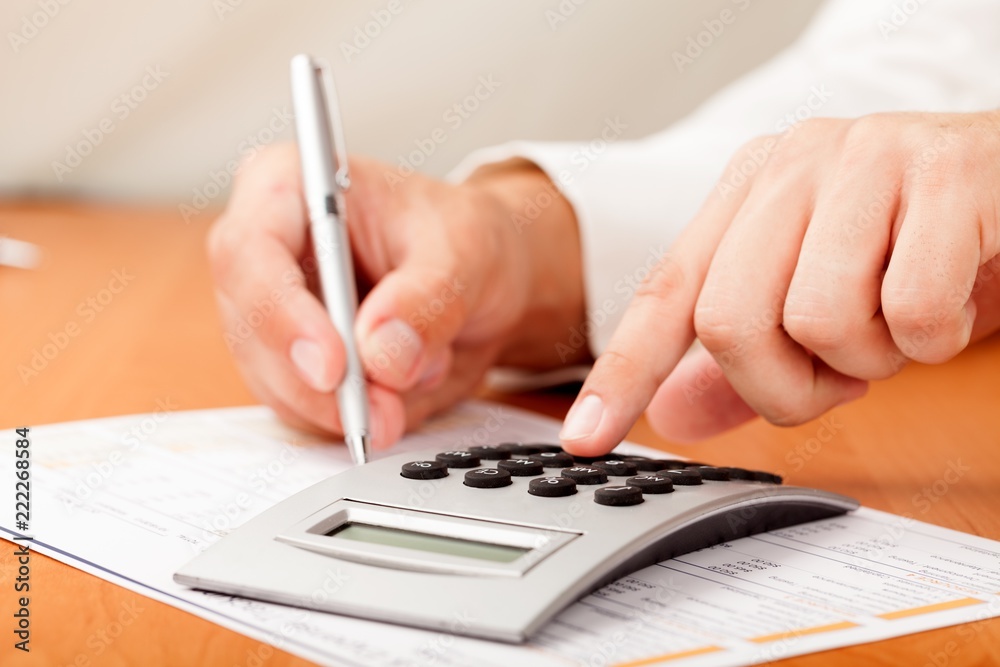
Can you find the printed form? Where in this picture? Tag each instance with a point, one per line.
(160, 488)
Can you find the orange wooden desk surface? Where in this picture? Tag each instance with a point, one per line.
(158, 338)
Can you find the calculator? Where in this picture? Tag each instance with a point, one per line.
(502, 537)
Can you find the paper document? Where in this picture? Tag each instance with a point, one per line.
(162, 487)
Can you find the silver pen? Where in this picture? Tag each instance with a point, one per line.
(325, 179)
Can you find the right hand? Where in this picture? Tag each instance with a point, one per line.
(454, 286)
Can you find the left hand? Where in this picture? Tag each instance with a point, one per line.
(825, 258)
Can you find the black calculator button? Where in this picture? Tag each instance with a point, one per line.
(424, 470)
(552, 487)
(618, 496)
(585, 475)
(673, 464)
(713, 473)
(490, 453)
(545, 447)
(554, 459)
(686, 477)
(617, 468)
(740, 473)
(766, 477)
(519, 448)
(644, 464)
(458, 459)
(521, 467)
(587, 460)
(651, 484)
(487, 478)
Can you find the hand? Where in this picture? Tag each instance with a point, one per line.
(449, 284)
(825, 258)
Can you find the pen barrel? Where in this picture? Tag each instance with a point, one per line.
(339, 293)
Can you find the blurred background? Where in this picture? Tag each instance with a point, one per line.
(158, 101)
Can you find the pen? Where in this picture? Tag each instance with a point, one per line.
(325, 178)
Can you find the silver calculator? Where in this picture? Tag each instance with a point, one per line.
(501, 536)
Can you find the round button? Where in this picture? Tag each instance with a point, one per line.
(617, 468)
(645, 464)
(519, 448)
(546, 447)
(458, 459)
(487, 478)
(521, 467)
(618, 496)
(553, 459)
(552, 487)
(686, 477)
(490, 453)
(424, 470)
(587, 460)
(713, 473)
(674, 464)
(585, 475)
(651, 484)
(740, 473)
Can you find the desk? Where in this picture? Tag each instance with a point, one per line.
(152, 334)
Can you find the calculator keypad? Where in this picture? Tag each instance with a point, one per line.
(646, 475)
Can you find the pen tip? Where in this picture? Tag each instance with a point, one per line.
(358, 444)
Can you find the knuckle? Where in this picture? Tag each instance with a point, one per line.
(714, 326)
(666, 279)
(625, 367)
(818, 325)
(786, 409)
(909, 310)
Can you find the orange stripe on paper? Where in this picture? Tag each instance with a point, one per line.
(843, 625)
(670, 656)
(941, 606)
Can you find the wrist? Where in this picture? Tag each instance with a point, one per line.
(543, 229)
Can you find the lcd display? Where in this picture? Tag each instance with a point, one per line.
(408, 539)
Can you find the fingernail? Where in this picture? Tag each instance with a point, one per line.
(394, 345)
(583, 418)
(308, 358)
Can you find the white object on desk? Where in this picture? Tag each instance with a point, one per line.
(18, 254)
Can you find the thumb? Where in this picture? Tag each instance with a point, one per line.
(408, 321)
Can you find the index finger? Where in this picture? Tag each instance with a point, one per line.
(255, 250)
(654, 334)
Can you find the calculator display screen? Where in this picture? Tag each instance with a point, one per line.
(407, 539)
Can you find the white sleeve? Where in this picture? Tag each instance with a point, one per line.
(632, 198)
